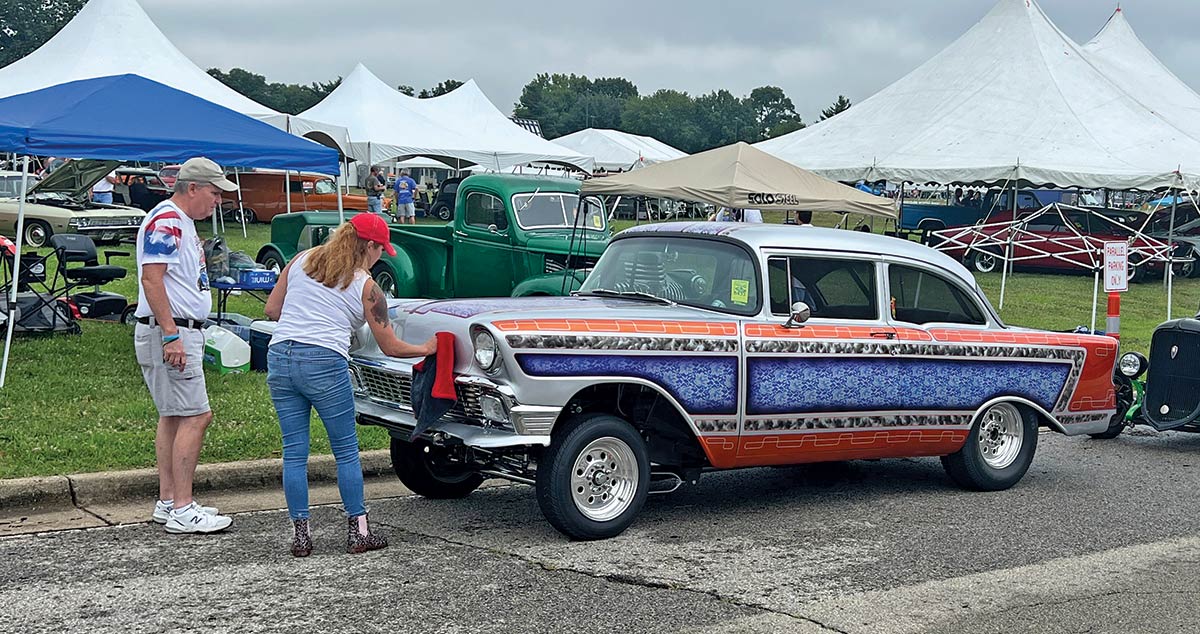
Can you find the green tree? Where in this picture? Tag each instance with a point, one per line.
(27, 24)
(407, 90)
(667, 115)
(774, 111)
(440, 89)
(569, 103)
(724, 119)
(289, 98)
(841, 105)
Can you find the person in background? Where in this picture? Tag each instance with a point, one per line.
(102, 192)
(139, 193)
(173, 303)
(406, 208)
(752, 215)
(323, 295)
(375, 186)
(804, 218)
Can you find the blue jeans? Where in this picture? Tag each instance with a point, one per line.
(374, 204)
(102, 198)
(303, 377)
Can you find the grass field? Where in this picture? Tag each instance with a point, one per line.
(76, 404)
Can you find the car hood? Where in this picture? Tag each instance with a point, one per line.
(74, 179)
(586, 242)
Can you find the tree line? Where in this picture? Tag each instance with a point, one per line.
(562, 103)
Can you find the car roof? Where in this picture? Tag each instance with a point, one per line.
(510, 184)
(766, 236)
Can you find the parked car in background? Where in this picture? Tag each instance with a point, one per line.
(10, 183)
(927, 217)
(139, 187)
(703, 345)
(443, 204)
(168, 174)
(61, 203)
(511, 235)
(1070, 241)
(262, 195)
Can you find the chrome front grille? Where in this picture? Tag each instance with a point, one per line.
(394, 389)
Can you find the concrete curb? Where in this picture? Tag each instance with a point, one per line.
(25, 495)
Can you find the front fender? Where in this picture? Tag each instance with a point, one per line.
(560, 283)
(271, 246)
(403, 271)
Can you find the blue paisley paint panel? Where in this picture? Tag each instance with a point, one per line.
(778, 386)
(703, 385)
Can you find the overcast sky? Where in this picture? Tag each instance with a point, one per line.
(813, 49)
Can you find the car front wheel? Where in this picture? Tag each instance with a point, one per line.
(425, 470)
(273, 261)
(998, 450)
(594, 477)
(385, 279)
(37, 233)
(983, 261)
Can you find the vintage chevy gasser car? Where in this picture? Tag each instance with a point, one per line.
(695, 346)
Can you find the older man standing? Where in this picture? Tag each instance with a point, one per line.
(173, 302)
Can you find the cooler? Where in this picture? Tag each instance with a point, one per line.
(225, 352)
(260, 340)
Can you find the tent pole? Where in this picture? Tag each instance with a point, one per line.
(341, 211)
(1171, 250)
(241, 209)
(16, 272)
(1095, 299)
(287, 189)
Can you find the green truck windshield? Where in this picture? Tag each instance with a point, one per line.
(556, 209)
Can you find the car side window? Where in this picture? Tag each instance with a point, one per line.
(484, 210)
(832, 288)
(920, 297)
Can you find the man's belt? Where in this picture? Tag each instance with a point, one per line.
(197, 324)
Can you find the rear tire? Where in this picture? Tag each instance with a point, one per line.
(385, 279)
(37, 233)
(983, 261)
(998, 450)
(594, 477)
(442, 211)
(428, 475)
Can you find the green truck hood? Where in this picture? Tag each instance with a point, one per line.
(586, 242)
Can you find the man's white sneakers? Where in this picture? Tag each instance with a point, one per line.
(193, 519)
(162, 511)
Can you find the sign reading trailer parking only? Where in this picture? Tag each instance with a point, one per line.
(1116, 266)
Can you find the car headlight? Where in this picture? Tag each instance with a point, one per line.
(486, 354)
(76, 222)
(1132, 364)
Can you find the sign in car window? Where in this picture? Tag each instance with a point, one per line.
(1116, 267)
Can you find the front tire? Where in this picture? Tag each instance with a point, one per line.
(594, 477)
(983, 261)
(428, 474)
(273, 261)
(442, 211)
(385, 279)
(998, 450)
(37, 233)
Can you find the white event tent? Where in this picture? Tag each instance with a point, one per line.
(1118, 52)
(616, 150)
(460, 128)
(116, 37)
(1011, 99)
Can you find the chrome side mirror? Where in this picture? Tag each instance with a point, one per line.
(800, 314)
(493, 229)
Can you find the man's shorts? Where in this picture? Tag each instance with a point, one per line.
(406, 210)
(175, 392)
(374, 204)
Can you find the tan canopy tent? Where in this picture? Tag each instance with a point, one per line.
(739, 176)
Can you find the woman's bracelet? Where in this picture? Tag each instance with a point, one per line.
(169, 338)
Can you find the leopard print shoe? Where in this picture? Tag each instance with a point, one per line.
(302, 544)
(359, 539)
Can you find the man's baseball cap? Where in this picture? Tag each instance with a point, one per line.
(373, 228)
(202, 170)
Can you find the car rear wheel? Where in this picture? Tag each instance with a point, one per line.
(594, 477)
(1190, 268)
(385, 279)
(998, 450)
(1137, 273)
(983, 261)
(37, 233)
(442, 211)
(426, 471)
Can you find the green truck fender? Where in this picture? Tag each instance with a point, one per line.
(396, 276)
(558, 283)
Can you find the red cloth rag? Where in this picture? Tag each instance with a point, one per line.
(443, 381)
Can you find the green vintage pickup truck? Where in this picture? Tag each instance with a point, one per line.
(511, 235)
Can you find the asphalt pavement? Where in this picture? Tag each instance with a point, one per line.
(1100, 536)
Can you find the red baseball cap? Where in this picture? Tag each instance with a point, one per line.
(368, 226)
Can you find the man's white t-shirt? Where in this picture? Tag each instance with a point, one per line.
(168, 236)
(104, 185)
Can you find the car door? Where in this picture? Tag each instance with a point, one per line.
(808, 388)
(483, 255)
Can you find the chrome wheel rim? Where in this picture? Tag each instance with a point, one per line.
(35, 235)
(1001, 435)
(985, 262)
(273, 265)
(386, 284)
(604, 479)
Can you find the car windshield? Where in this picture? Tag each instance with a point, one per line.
(699, 272)
(324, 186)
(556, 209)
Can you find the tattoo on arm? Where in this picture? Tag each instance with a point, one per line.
(379, 310)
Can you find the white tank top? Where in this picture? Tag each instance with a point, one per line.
(318, 315)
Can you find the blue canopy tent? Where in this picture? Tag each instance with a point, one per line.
(131, 118)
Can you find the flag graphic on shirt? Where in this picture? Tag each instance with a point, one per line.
(162, 234)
